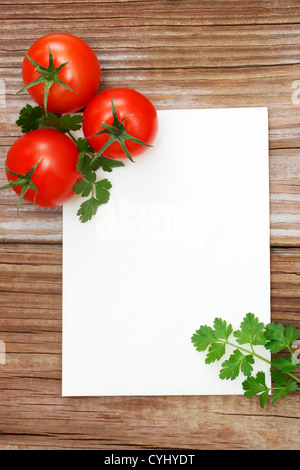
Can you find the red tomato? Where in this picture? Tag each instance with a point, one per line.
(56, 172)
(143, 124)
(81, 74)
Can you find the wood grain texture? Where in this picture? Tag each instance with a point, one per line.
(204, 12)
(181, 54)
(34, 415)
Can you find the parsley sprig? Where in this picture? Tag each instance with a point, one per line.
(32, 118)
(96, 192)
(274, 337)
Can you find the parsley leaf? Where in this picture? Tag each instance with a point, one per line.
(50, 120)
(215, 352)
(279, 337)
(84, 158)
(29, 118)
(257, 385)
(107, 164)
(283, 385)
(221, 329)
(90, 176)
(102, 191)
(203, 337)
(251, 331)
(83, 163)
(88, 209)
(282, 392)
(84, 146)
(83, 187)
(70, 123)
(64, 123)
(285, 364)
(237, 362)
(99, 191)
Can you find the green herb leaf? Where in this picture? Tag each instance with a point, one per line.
(88, 209)
(87, 186)
(102, 191)
(70, 123)
(83, 163)
(279, 337)
(64, 123)
(237, 362)
(283, 385)
(215, 352)
(84, 146)
(29, 118)
(83, 187)
(203, 338)
(50, 120)
(107, 164)
(257, 386)
(263, 398)
(90, 176)
(221, 329)
(84, 158)
(251, 331)
(290, 387)
(280, 379)
(285, 364)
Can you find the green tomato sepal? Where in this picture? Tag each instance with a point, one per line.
(117, 133)
(24, 181)
(48, 76)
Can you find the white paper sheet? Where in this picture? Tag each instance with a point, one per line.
(183, 239)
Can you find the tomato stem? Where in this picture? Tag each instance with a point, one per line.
(117, 133)
(72, 137)
(48, 76)
(24, 181)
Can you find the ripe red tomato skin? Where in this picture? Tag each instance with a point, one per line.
(142, 125)
(56, 173)
(82, 74)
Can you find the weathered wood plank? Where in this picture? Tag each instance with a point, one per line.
(34, 415)
(159, 46)
(206, 12)
(204, 423)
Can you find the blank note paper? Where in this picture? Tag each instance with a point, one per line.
(183, 239)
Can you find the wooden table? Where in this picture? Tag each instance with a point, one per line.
(181, 54)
